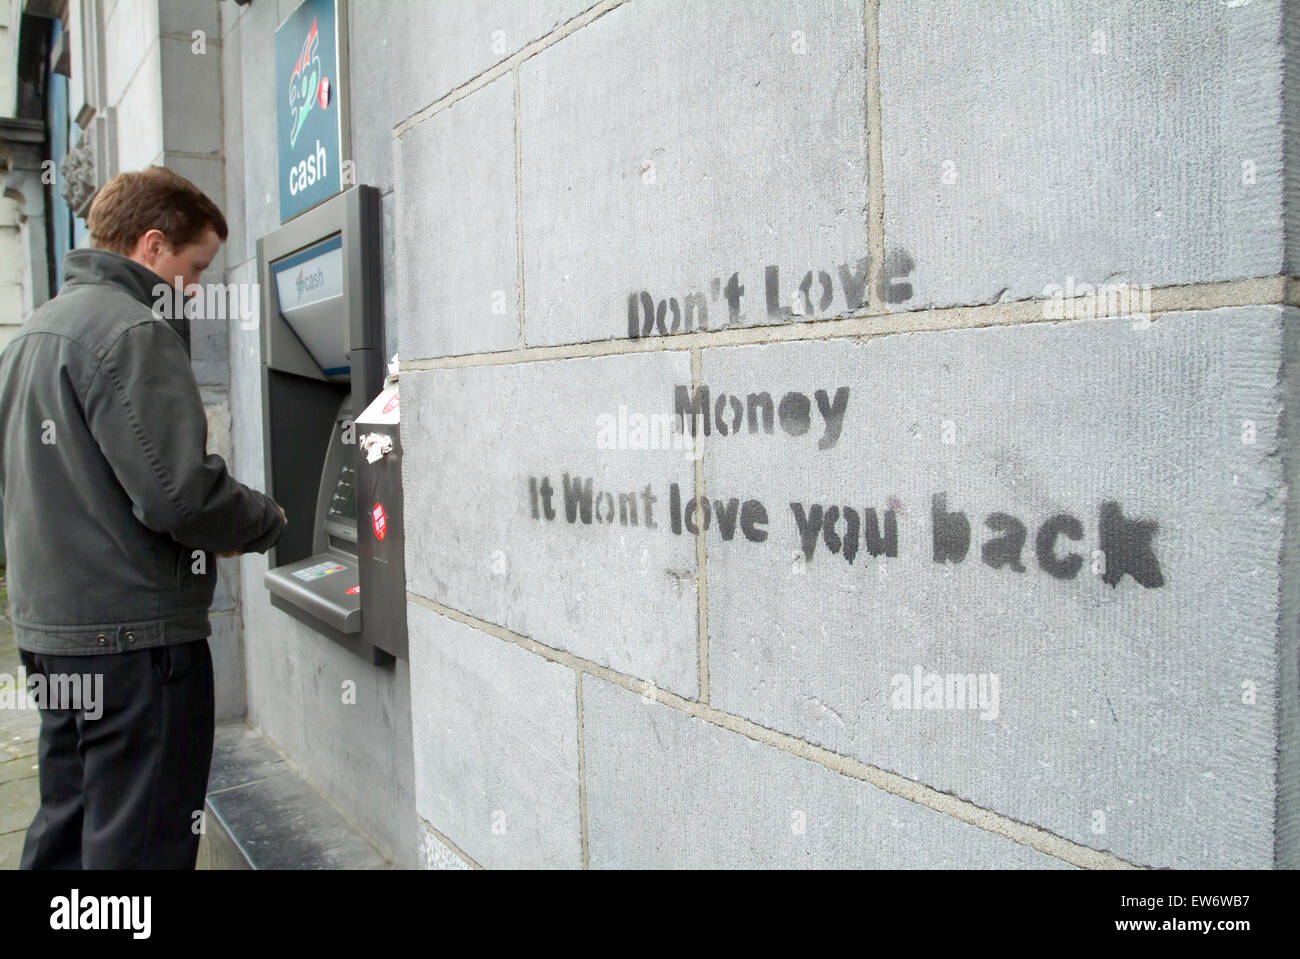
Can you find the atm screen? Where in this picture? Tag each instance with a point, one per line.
(309, 292)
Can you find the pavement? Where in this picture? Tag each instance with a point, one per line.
(19, 730)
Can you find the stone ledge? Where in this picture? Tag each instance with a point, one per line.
(261, 813)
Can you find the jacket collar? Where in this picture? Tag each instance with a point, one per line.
(89, 266)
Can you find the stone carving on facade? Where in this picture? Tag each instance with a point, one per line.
(77, 176)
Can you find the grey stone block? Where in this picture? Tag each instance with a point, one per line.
(605, 586)
(496, 746)
(227, 592)
(669, 791)
(372, 103)
(1287, 829)
(272, 662)
(435, 854)
(1291, 112)
(406, 54)
(283, 823)
(130, 34)
(404, 828)
(457, 256)
(391, 337)
(139, 116)
(669, 145)
(293, 674)
(261, 99)
(218, 849)
(240, 755)
(226, 644)
(216, 409)
(229, 14)
(191, 94)
(396, 74)
(183, 17)
(354, 736)
(232, 105)
(248, 463)
(1025, 142)
(1137, 665)
(209, 337)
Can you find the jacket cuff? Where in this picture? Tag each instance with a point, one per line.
(273, 525)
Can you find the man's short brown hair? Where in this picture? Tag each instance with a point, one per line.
(155, 198)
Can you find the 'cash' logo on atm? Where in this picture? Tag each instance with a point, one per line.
(307, 282)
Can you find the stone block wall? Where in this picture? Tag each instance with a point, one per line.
(977, 548)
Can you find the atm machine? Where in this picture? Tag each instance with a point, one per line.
(322, 342)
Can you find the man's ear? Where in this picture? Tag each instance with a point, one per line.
(152, 245)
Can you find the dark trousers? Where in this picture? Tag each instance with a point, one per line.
(125, 790)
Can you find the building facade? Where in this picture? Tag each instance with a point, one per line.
(978, 550)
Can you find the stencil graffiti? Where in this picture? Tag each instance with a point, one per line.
(729, 414)
(820, 293)
(1124, 544)
(1126, 547)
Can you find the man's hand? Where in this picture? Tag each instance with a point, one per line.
(239, 552)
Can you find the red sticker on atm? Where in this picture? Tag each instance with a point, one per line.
(391, 404)
(379, 521)
(353, 590)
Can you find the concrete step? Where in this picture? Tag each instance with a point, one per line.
(262, 814)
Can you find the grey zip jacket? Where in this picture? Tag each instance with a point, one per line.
(113, 513)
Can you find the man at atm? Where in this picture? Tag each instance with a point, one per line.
(114, 515)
